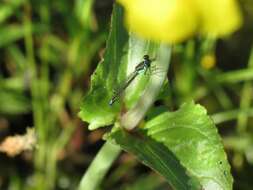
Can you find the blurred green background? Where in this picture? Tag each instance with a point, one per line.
(49, 49)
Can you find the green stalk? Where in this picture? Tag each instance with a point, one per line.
(246, 97)
(230, 115)
(34, 86)
(235, 76)
(37, 107)
(99, 167)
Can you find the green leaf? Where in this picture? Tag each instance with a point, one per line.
(156, 156)
(95, 108)
(123, 53)
(183, 146)
(192, 136)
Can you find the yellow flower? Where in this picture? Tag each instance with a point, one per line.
(219, 17)
(173, 21)
(208, 61)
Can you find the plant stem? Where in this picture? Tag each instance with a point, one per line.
(245, 101)
(230, 115)
(235, 76)
(99, 166)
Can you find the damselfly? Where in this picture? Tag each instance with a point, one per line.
(142, 67)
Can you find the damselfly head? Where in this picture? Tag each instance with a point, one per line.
(146, 57)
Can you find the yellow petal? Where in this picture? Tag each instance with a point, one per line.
(168, 21)
(218, 17)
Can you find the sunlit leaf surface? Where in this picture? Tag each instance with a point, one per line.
(182, 146)
(192, 136)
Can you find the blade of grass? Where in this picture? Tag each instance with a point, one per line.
(246, 97)
(230, 115)
(235, 76)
